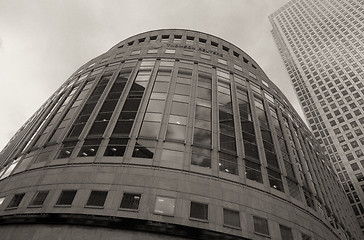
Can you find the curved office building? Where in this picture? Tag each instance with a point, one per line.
(171, 134)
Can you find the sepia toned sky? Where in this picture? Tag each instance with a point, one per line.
(43, 42)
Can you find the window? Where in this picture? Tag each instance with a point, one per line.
(222, 61)
(354, 166)
(231, 218)
(136, 52)
(66, 197)
(358, 132)
(201, 156)
(170, 51)
(359, 153)
(152, 51)
(116, 147)
(14, 203)
(164, 205)
(89, 148)
(172, 158)
(199, 211)
(67, 149)
(261, 225)
(39, 198)
(341, 139)
(188, 53)
(350, 156)
(144, 149)
(286, 233)
(205, 56)
(130, 201)
(253, 171)
(359, 177)
(97, 198)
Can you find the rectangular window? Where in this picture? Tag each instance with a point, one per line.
(116, 147)
(253, 171)
(89, 148)
(152, 51)
(201, 157)
(231, 218)
(97, 198)
(170, 51)
(144, 149)
(14, 203)
(199, 211)
(164, 205)
(136, 52)
(39, 198)
(222, 61)
(187, 53)
(66, 197)
(130, 201)
(228, 163)
(261, 225)
(286, 233)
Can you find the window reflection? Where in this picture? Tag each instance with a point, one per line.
(164, 205)
(171, 158)
(202, 137)
(116, 147)
(203, 124)
(253, 171)
(144, 149)
(274, 175)
(149, 129)
(67, 149)
(179, 120)
(131, 105)
(156, 106)
(176, 132)
(89, 106)
(153, 116)
(179, 108)
(228, 163)
(201, 157)
(203, 113)
(89, 148)
(182, 89)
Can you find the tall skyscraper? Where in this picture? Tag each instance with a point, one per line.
(322, 46)
(171, 134)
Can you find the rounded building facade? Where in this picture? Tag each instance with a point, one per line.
(171, 134)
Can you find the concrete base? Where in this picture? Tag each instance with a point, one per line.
(69, 232)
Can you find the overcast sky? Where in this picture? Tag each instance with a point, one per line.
(43, 42)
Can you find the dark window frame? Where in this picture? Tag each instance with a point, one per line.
(39, 199)
(132, 206)
(15, 201)
(97, 199)
(194, 205)
(62, 197)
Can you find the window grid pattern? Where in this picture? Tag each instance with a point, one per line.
(325, 49)
(313, 170)
(39, 198)
(227, 154)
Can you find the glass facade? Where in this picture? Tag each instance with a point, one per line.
(158, 120)
(321, 44)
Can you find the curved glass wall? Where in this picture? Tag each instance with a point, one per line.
(185, 101)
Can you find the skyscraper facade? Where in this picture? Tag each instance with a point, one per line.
(171, 134)
(322, 46)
